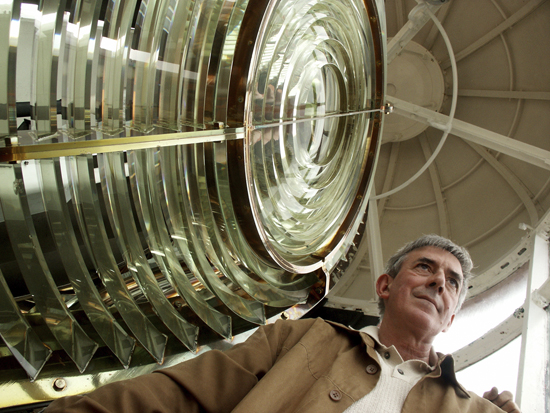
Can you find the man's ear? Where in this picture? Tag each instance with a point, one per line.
(449, 324)
(383, 286)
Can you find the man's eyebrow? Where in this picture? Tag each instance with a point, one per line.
(456, 275)
(453, 274)
(425, 260)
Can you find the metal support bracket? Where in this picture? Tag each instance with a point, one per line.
(492, 140)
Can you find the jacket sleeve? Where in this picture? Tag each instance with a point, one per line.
(212, 382)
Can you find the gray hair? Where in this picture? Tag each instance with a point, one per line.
(393, 266)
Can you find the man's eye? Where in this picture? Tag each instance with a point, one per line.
(424, 267)
(454, 283)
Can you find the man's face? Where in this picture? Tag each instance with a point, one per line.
(425, 291)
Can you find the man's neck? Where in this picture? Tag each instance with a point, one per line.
(409, 346)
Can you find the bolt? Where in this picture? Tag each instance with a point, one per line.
(59, 384)
(18, 187)
(519, 313)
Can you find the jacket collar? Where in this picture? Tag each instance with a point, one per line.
(444, 364)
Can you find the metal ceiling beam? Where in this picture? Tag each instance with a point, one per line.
(492, 341)
(374, 242)
(434, 31)
(400, 13)
(504, 94)
(417, 19)
(388, 179)
(511, 179)
(438, 192)
(534, 361)
(505, 25)
(492, 140)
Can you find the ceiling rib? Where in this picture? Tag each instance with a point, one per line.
(418, 17)
(400, 12)
(542, 190)
(504, 94)
(388, 179)
(492, 140)
(512, 180)
(505, 25)
(411, 207)
(434, 31)
(374, 241)
(488, 343)
(440, 202)
(494, 229)
(515, 121)
(464, 176)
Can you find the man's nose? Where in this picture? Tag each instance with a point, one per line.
(437, 281)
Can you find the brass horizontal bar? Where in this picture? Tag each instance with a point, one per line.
(315, 118)
(54, 150)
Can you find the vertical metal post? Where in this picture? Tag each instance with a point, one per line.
(533, 369)
(374, 238)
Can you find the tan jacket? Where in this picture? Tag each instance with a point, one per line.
(290, 366)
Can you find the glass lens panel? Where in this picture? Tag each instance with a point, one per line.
(35, 271)
(19, 336)
(304, 175)
(93, 230)
(66, 243)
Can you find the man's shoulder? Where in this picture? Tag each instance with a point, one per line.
(315, 324)
(308, 329)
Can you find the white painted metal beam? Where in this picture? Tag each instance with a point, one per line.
(505, 25)
(388, 179)
(434, 31)
(438, 192)
(512, 180)
(399, 12)
(490, 342)
(533, 370)
(375, 243)
(465, 130)
(417, 19)
(504, 94)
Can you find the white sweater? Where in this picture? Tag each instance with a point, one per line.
(397, 378)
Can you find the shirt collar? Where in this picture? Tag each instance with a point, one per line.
(444, 363)
(373, 331)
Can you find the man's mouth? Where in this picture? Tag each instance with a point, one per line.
(429, 299)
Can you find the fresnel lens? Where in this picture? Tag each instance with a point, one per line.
(169, 167)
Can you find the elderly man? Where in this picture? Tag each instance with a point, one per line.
(319, 366)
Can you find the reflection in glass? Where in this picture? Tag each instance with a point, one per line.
(35, 271)
(65, 240)
(115, 190)
(99, 248)
(18, 335)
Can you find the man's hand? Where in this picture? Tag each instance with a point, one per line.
(503, 400)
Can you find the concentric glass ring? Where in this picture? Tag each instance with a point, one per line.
(304, 168)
